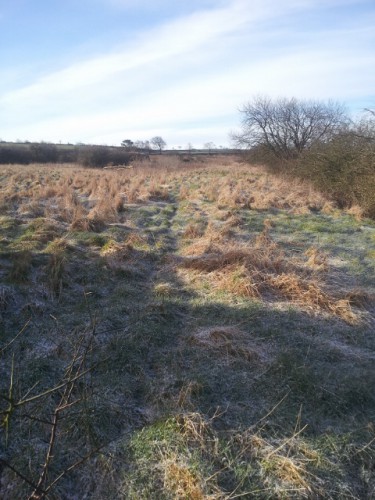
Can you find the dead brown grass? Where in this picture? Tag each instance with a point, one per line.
(180, 481)
(286, 462)
(309, 293)
(108, 191)
(193, 230)
(317, 259)
(262, 269)
(117, 251)
(88, 200)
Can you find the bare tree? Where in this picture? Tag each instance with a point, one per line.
(210, 146)
(285, 127)
(158, 142)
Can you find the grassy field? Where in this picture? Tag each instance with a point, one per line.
(183, 331)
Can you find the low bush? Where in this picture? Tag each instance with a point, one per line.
(343, 168)
(93, 156)
(100, 156)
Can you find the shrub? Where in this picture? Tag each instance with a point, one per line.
(93, 156)
(100, 156)
(120, 157)
(44, 153)
(344, 168)
(15, 154)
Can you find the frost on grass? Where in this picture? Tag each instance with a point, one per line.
(232, 345)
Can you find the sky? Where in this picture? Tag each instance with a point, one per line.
(101, 71)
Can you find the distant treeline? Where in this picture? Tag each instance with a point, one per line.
(87, 155)
(204, 152)
(93, 156)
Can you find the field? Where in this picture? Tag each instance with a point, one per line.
(172, 330)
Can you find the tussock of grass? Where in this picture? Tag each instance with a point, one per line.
(193, 230)
(120, 251)
(262, 268)
(180, 481)
(308, 293)
(316, 259)
(238, 281)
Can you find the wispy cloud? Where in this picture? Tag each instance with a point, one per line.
(194, 70)
(157, 45)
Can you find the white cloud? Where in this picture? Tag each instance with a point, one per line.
(193, 70)
(175, 38)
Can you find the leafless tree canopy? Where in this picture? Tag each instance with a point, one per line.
(286, 127)
(158, 142)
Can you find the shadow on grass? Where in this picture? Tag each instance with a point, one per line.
(161, 351)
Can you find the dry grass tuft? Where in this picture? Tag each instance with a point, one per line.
(184, 192)
(328, 208)
(79, 220)
(316, 259)
(283, 463)
(184, 399)
(308, 293)
(163, 290)
(210, 262)
(117, 251)
(199, 247)
(238, 281)
(193, 230)
(118, 203)
(357, 212)
(217, 233)
(104, 213)
(254, 257)
(233, 221)
(193, 427)
(180, 481)
(263, 239)
(263, 269)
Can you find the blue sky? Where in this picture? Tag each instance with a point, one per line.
(100, 71)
